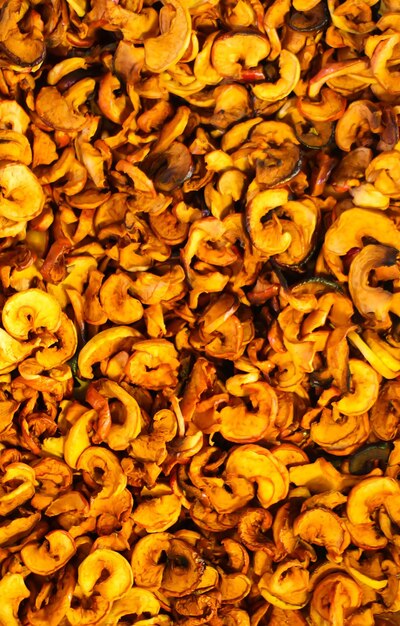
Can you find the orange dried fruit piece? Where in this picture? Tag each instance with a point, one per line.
(230, 48)
(22, 197)
(154, 364)
(258, 465)
(52, 555)
(287, 587)
(119, 574)
(167, 49)
(31, 311)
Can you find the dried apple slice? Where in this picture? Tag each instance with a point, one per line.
(23, 477)
(65, 349)
(52, 609)
(52, 555)
(258, 465)
(231, 48)
(348, 230)
(15, 147)
(119, 574)
(289, 69)
(323, 528)
(122, 413)
(136, 602)
(252, 529)
(12, 351)
(56, 112)
(242, 425)
(334, 599)
(370, 494)
(167, 49)
(22, 197)
(154, 364)
(13, 591)
(276, 164)
(380, 59)
(180, 573)
(267, 236)
(384, 173)
(331, 107)
(183, 570)
(158, 514)
(359, 115)
(340, 435)
(365, 389)
(85, 610)
(102, 468)
(29, 311)
(23, 45)
(103, 345)
(287, 587)
(373, 300)
(116, 302)
(385, 414)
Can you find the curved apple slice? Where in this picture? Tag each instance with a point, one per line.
(231, 48)
(267, 236)
(166, 50)
(91, 574)
(289, 69)
(330, 108)
(365, 385)
(46, 558)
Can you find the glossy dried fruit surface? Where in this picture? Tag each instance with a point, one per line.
(199, 312)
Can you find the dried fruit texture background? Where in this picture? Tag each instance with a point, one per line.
(199, 305)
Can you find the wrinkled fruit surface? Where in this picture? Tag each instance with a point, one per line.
(199, 312)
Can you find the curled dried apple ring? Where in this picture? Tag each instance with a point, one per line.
(348, 230)
(22, 197)
(345, 598)
(365, 385)
(370, 300)
(118, 581)
(30, 311)
(158, 514)
(137, 601)
(178, 577)
(383, 172)
(258, 465)
(13, 590)
(14, 497)
(52, 555)
(164, 51)
(331, 107)
(382, 53)
(84, 609)
(242, 425)
(289, 69)
(385, 412)
(340, 435)
(65, 349)
(358, 115)
(116, 302)
(103, 345)
(15, 147)
(287, 587)
(267, 236)
(56, 112)
(228, 49)
(252, 527)
(102, 469)
(324, 528)
(154, 364)
(123, 412)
